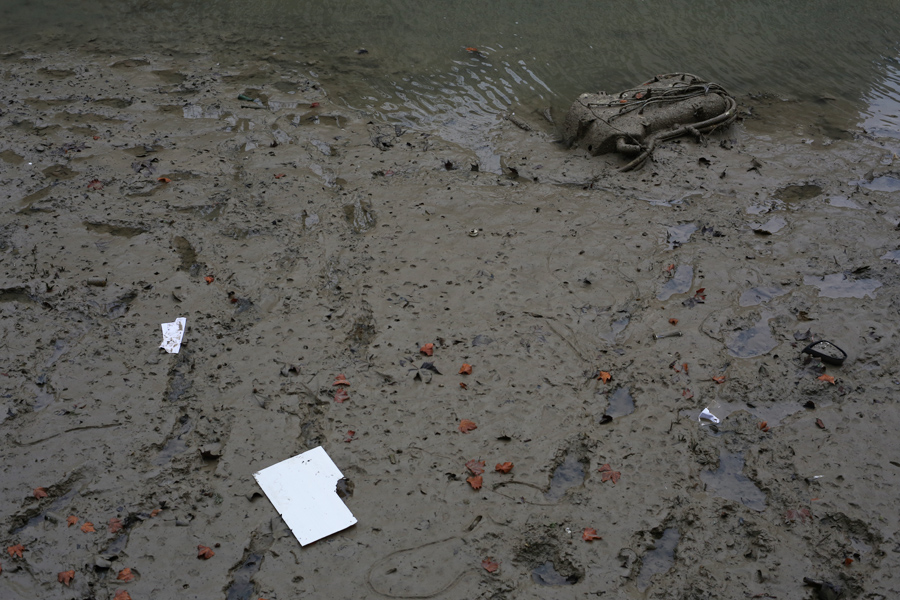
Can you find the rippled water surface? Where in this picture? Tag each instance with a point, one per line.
(530, 56)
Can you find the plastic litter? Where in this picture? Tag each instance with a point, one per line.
(662, 336)
(172, 335)
(826, 351)
(303, 491)
(705, 414)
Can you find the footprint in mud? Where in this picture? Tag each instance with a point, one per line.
(423, 571)
(659, 559)
(544, 550)
(570, 472)
(729, 482)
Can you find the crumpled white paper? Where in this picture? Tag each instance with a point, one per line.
(302, 489)
(705, 414)
(172, 334)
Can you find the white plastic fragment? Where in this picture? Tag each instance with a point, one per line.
(705, 414)
(172, 334)
(302, 489)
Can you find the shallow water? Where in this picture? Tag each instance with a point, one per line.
(546, 574)
(729, 482)
(569, 474)
(660, 559)
(679, 284)
(621, 403)
(408, 62)
(753, 341)
(838, 285)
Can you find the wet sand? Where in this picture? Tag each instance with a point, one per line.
(338, 244)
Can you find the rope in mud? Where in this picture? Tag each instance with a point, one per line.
(708, 126)
(640, 97)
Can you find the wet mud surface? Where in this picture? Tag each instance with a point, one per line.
(302, 239)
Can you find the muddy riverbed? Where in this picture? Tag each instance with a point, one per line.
(302, 239)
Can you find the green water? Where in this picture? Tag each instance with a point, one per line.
(416, 68)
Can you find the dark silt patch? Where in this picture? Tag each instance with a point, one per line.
(59, 172)
(11, 157)
(730, 483)
(546, 574)
(117, 230)
(798, 193)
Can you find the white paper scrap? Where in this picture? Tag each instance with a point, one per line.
(705, 414)
(172, 334)
(302, 489)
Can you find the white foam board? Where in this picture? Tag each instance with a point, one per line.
(302, 489)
